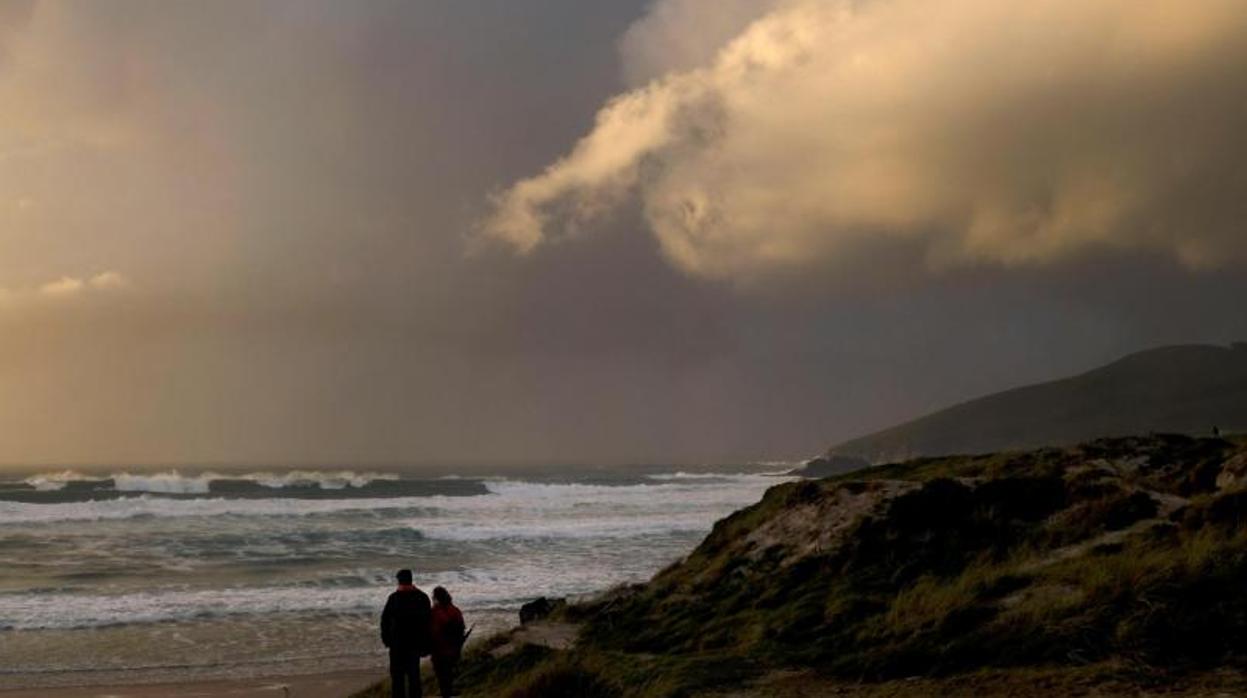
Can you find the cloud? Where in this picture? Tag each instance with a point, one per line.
(64, 286)
(678, 35)
(108, 280)
(976, 131)
(67, 287)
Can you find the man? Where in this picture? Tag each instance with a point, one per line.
(405, 630)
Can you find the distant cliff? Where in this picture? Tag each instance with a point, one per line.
(1180, 389)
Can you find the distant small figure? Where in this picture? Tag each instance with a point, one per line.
(405, 631)
(448, 638)
(1216, 432)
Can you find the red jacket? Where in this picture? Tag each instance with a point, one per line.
(446, 625)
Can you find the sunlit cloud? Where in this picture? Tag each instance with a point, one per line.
(979, 132)
(66, 287)
(108, 280)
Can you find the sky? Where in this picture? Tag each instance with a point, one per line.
(551, 231)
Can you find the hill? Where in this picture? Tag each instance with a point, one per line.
(1180, 389)
(1114, 567)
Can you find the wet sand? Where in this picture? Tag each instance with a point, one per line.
(333, 685)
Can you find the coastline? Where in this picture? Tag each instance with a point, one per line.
(334, 684)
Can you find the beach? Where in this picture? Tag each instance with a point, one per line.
(330, 685)
(226, 580)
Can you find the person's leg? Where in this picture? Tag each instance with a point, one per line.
(413, 672)
(398, 675)
(446, 676)
(439, 670)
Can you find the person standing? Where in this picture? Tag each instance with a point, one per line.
(405, 631)
(447, 640)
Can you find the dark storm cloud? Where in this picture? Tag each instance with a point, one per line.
(236, 231)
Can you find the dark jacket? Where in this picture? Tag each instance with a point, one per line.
(447, 631)
(405, 621)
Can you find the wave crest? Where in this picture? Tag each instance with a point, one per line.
(164, 483)
(52, 482)
(174, 482)
(326, 480)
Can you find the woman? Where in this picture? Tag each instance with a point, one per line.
(446, 625)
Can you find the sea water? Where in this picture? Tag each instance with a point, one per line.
(133, 576)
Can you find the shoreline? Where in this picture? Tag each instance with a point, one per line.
(335, 684)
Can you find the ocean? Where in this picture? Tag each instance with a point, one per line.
(134, 576)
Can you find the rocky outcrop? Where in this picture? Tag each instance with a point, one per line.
(539, 609)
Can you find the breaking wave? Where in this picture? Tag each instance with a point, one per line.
(174, 482)
(53, 482)
(163, 483)
(506, 500)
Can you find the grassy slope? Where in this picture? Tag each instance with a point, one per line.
(1119, 563)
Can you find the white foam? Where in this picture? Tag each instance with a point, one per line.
(164, 483)
(657, 494)
(174, 482)
(489, 588)
(511, 499)
(526, 510)
(598, 527)
(681, 475)
(783, 465)
(51, 482)
(522, 540)
(326, 480)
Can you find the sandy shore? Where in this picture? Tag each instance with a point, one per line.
(333, 685)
